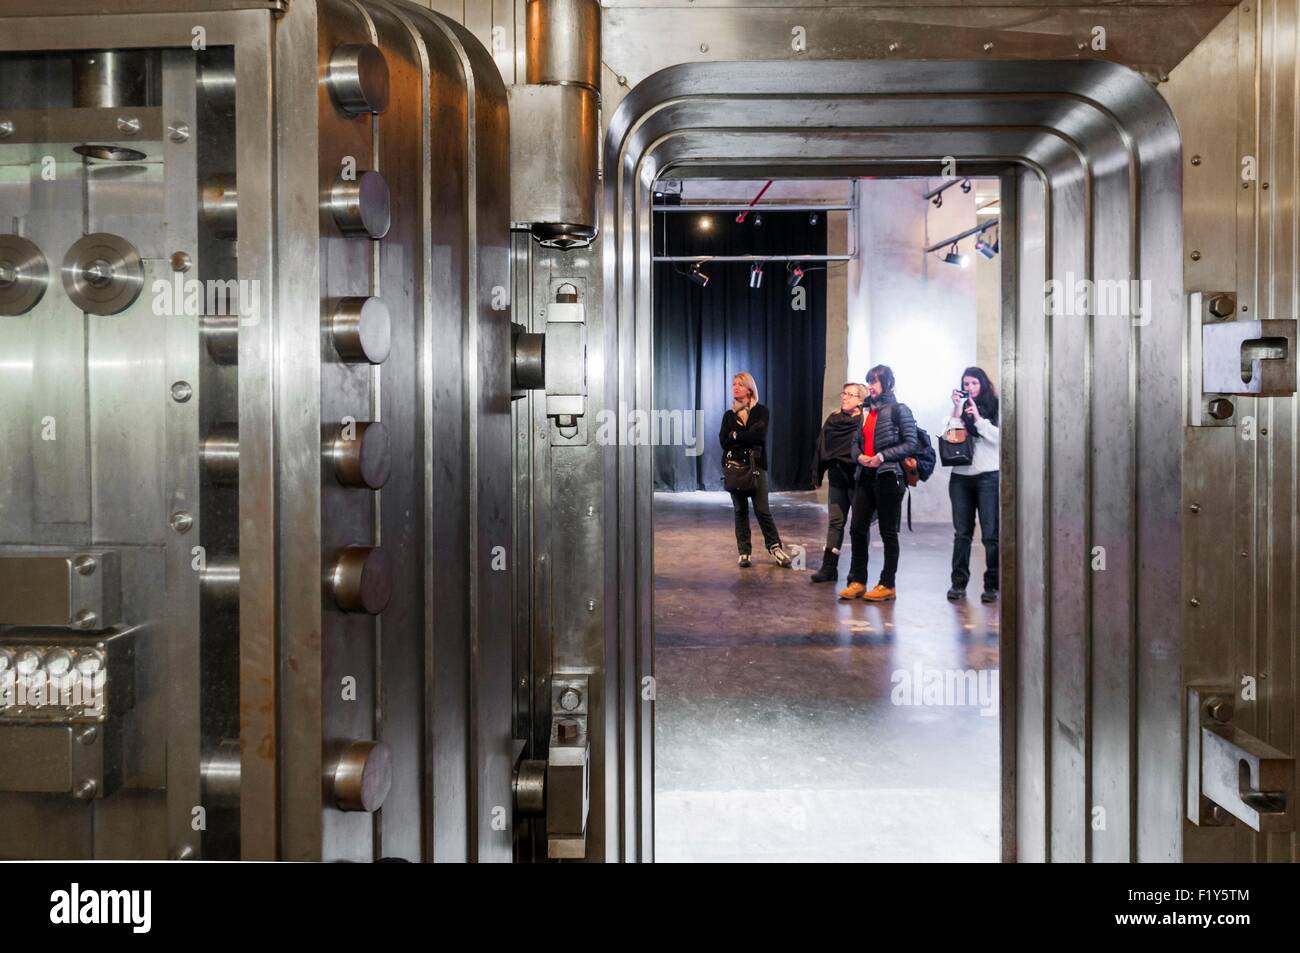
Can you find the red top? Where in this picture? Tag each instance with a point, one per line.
(869, 435)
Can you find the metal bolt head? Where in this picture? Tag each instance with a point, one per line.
(570, 699)
(1195, 603)
(6, 129)
(88, 736)
(86, 619)
(1220, 709)
(182, 262)
(185, 852)
(704, 47)
(591, 605)
(181, 521)
(1196, 256)
(987, 47)
(182, 391)
(128, 125)
(1196, 160)
(622, 81)
(178, 131)
(1221, 306)
(1195, 507)
(85, 789)
(893, 47)
(85, 565)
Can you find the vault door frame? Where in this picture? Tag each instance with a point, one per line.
(1092, 685)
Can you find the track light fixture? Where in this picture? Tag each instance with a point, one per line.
(954, 257)
(984, 248)
(812, 219)
(965, 186)
(758, 220)
(697, 276)
(794, 275)
(937, 201)
(756, 275)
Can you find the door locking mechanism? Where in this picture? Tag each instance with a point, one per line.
(559, 788)
(1231, 773)
(1232, 357)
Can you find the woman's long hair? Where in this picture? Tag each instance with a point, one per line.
(746, 379)
(987, 401)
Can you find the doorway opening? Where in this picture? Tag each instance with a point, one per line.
(791, 724)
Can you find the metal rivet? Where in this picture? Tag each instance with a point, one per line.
(88, 736)
(182, 391)
(1196, 603)
(181, 522)
(1245, 185)
(893, 47)
(182, 262)
(704, 47)
(1263, 185)
(85, 565)
(1244, 555)
(1196, 256)
(622, 81)
(6, 129)
(1263, 431)
(591, 511)
(86, 619)
(591, 605)
(1196, 160)
(1195, 507)
(85, 789)
(988, 46)
(178, 131)
(128, 125)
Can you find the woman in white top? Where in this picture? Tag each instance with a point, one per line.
(974, 488)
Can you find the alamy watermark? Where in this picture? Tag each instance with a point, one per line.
(946, 687)
(651, 428)
(1076, 297)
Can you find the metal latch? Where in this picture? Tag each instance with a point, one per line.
(560, 787)
(1231, 772)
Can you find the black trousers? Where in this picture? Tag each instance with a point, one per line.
(839, 500)
(970, 495)
(740, 503)
(880, 495)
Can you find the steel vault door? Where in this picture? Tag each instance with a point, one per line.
(1092, 682)
(340, 456)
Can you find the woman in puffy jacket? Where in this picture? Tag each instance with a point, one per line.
(887, 437)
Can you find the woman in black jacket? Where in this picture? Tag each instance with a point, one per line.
(837, 458)
(887, 437)
(744, 435)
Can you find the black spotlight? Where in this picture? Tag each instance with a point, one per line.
(758, 220)
(965, 186)
(756, 275)
(955, 258)
(937, 201)
(699, 277)
(985, 249)
(795, 275)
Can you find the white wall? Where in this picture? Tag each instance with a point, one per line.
(912, 311)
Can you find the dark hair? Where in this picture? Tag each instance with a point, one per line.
(987, 401)
(883, 376)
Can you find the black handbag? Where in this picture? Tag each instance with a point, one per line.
(740, 476)
(954, 450)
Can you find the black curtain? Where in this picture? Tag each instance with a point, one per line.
(704, 335)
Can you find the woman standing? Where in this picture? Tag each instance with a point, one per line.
(887, 437)
(974, 488)
(744, 440)
(835, 457)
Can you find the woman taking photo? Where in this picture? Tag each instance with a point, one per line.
(974, 488)
(744, 444)
(886, 438)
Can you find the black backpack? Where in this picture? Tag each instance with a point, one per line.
(925, 455)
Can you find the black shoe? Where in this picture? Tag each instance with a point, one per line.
(744, 561)
(954, 594)
(830, 570)
(989, 595)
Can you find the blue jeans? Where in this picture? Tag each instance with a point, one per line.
(969, 495)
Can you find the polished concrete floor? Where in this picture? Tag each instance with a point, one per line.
(785, 724)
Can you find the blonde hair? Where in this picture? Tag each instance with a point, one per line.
(746, 378)
(859, 389)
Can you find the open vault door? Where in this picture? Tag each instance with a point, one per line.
(1092, 702)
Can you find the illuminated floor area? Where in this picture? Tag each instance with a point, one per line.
(778, 736)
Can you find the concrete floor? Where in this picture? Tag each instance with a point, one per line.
(782, 731)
